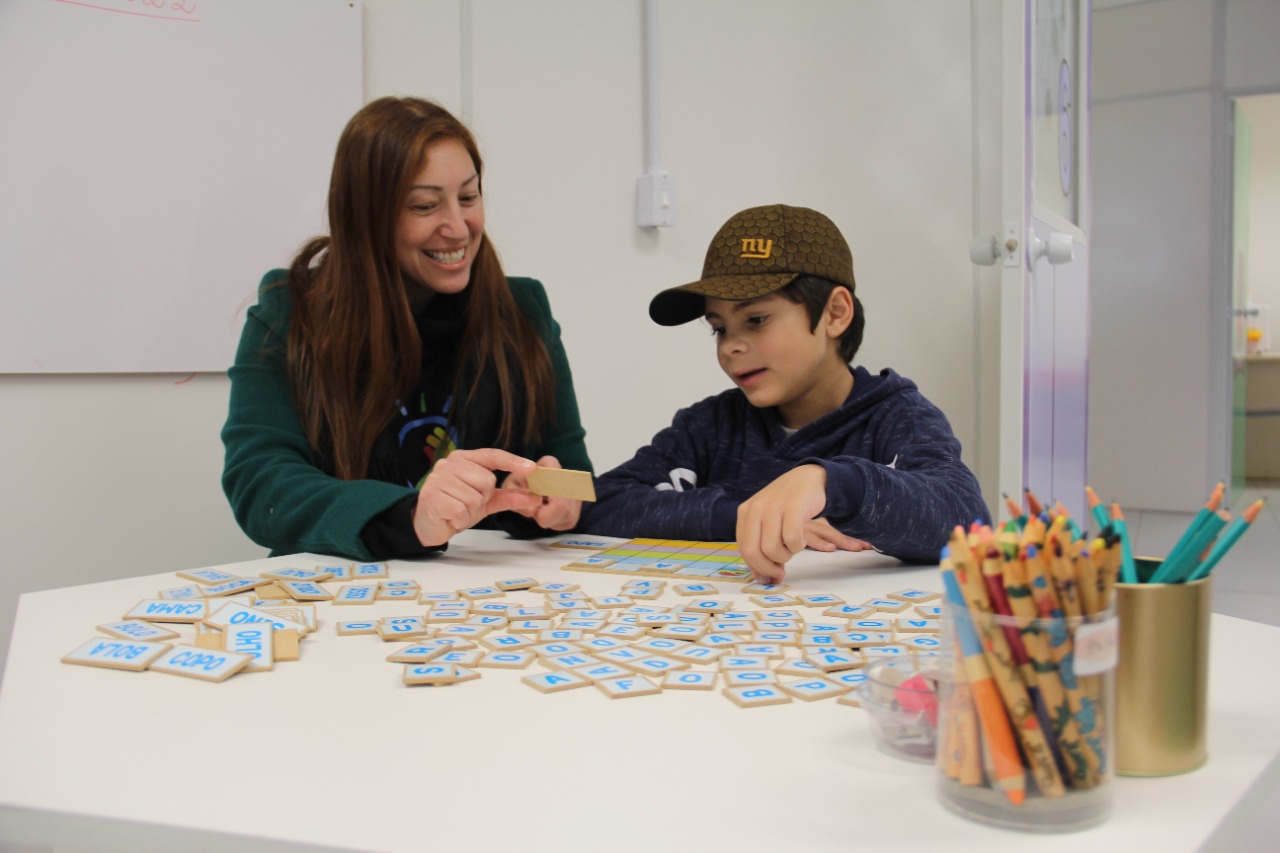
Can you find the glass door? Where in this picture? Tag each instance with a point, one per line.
(1239, 292)
(1057, 279)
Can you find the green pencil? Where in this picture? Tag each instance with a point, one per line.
(1234, 531)
(1181, 561)
(1128, 569)
(1210, 507)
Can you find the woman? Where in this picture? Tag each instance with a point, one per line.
(393, 386)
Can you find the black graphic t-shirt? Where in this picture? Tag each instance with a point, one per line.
(432, 422)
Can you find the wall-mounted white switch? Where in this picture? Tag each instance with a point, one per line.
(656, 200)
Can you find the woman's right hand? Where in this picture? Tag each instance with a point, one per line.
(462, 489)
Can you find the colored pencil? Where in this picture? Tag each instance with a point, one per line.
(1183, 558)
(999, 657)
(1229, 537)
(1096, 507)
(1091, 571)
(1015, 512)
(1007, 772)
(960, 752)
(1112, 564)
(1068, 746)
(993, 576)
(1211, 506)
(1128, 569)
(1060, 510)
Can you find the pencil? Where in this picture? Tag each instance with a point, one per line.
(970, 744)
(1007, 772)
(1095, 506)
(1007, 539)
(1097, 573)
(1109, 571)
(1042, 592)
(1182, 559)
(1091, 570)
(1206, 512)
(1074, 750)
(1061, 650)
(1016, 515)
(1229, 538)
(1017, 702)
(1034, 506)
(1128, 569)
(993, 576)
(1060, 510)
(1034, 531)
(960, 752)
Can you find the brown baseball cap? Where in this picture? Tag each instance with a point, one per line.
(757, 252)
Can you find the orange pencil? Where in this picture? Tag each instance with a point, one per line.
(1034, 507)
(1007, 771)
(1012, 690)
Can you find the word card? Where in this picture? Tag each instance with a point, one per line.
(253, 639)
(164, 610)
(116, 654)
(136, 629)
(207, 576)
(203, 664)
(562, 483)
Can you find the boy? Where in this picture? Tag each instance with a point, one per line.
(806, 450)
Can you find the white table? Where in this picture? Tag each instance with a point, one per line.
(333, 752)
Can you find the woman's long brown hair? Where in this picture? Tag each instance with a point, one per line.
(353, 346)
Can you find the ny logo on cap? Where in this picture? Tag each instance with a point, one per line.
(756, 247)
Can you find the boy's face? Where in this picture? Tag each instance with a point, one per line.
(766, 347)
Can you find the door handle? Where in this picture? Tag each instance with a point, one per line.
(988, 249)
(984, 251)
(1058, 249)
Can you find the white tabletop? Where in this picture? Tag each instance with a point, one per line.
(333, 752)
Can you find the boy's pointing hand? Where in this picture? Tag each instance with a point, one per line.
(772, 524)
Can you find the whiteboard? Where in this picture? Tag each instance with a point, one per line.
(156, 158)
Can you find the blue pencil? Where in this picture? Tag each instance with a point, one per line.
(1201, 517)
(1128, 569)
(1182, 561)
(1229, 537)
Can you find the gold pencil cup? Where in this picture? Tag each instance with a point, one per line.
(1163, 676)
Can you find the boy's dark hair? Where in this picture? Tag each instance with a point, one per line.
(813, 292)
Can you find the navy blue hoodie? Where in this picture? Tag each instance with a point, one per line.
(894, 475)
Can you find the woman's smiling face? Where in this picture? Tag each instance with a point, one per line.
(438, 232)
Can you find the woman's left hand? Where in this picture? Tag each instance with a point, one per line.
(553, 513)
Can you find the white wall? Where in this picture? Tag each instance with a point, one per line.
(1263, 115)
(1159, 400)
(861, 110)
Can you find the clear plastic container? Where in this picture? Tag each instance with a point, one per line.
(901, 696)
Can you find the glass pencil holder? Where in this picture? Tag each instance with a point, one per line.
(1026, 718)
